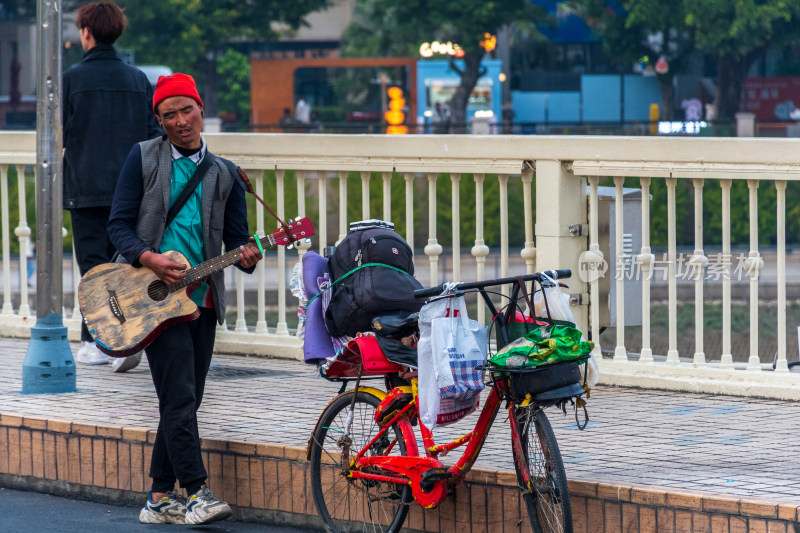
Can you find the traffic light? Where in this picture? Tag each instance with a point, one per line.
(395, 117)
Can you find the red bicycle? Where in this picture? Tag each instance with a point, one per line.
(367, 468)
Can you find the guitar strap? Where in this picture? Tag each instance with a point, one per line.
(249, 188)
(191, 185)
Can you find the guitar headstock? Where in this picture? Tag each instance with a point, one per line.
(298, 229)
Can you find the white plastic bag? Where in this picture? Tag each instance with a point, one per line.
(558, 307)
(440, 332)
(298, 291)
(591, 372)
(550, 302)
(459, 347)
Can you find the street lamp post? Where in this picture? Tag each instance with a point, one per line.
(48, 366)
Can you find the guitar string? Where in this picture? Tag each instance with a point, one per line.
(155, 290)
(213, 265)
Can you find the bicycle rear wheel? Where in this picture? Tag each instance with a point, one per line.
(547, 495)
(347, 504)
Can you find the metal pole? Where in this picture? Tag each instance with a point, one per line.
(49, 366)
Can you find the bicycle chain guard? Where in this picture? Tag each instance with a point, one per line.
(413, 468)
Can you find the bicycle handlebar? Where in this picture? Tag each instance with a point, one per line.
(537, 276)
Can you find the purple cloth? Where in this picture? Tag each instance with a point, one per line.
(317, 345)
(314, 266)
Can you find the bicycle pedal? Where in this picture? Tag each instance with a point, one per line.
(432, 476)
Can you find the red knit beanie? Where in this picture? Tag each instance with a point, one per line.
(175, 85)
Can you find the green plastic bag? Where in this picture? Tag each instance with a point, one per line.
(542, 345)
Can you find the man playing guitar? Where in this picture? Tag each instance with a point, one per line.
(152, 179)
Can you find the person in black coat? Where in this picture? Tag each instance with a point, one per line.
(106, 108)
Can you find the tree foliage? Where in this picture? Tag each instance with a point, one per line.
(373, 33)
(737, 32)
(388, 27)
(234, 95)
(190, 35)
(734, 32)
(644, 29)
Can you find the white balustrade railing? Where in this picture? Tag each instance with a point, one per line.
(17, 155)
(564, 232)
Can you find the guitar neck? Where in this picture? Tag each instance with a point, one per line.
(212, 266)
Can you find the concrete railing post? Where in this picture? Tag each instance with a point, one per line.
(560, 221)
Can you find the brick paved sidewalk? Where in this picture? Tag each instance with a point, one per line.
(715, 444)
(727, 447)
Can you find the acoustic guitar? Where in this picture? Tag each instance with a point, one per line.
(126, 308)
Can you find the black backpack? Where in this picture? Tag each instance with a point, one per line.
(387, 283)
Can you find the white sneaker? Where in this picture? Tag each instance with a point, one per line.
(203, 507)
(170, 509)
(123, 364)
(90, 354)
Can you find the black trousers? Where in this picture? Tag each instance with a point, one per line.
(92, 245)
(179, 361)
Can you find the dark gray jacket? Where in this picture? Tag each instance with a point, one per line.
(107, 107)
(142, 202)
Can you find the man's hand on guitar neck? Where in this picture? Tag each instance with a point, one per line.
(166, 268)
(249, 255)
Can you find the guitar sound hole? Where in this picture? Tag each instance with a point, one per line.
(158, 290)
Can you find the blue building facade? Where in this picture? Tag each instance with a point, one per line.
(579, 85)
(601, 98)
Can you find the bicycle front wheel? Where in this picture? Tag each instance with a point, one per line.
(546, 495)
(347, 504)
